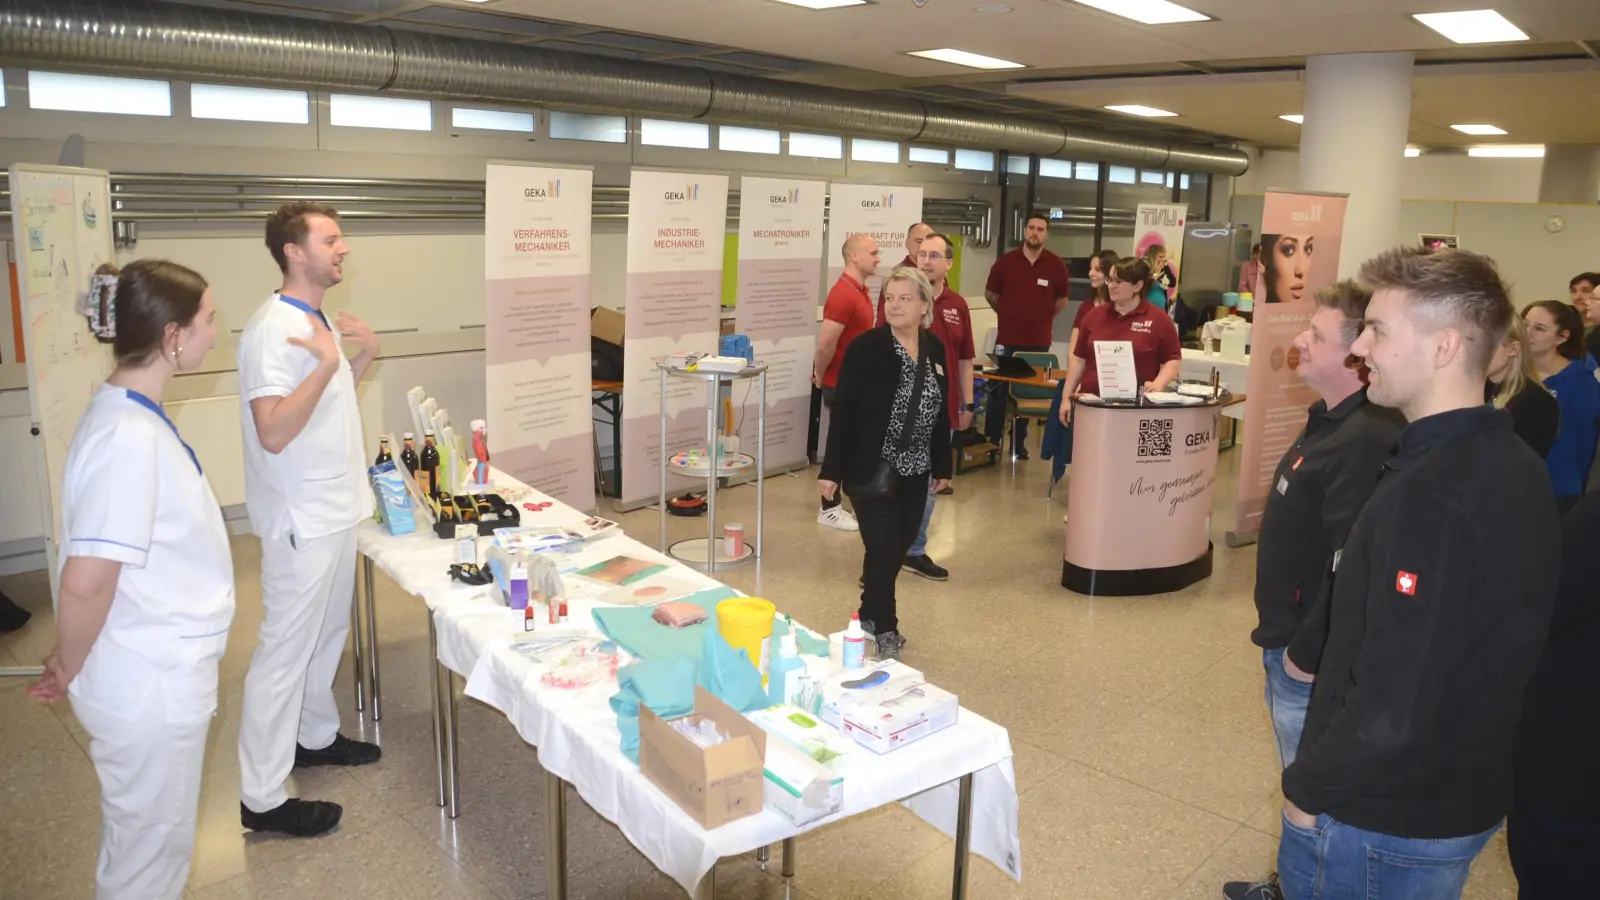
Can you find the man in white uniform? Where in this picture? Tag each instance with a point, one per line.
(306, 490)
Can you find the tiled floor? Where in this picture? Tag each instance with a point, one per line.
(1143, 754)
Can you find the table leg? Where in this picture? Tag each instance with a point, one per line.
(372, 637)
(434, 707)
(555, 837)
(708, 885)
(452, 745)
(788, 857)
(763, 856)
(359, 672)
(958, 890)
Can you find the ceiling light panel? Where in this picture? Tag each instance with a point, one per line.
(964, 58)
(1479, 129)
(1508, 151)
(1473, 26)
(1148, 112)
(1296, 118)
(823, 4)
(1147, 12)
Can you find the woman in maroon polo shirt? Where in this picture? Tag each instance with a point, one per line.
(1128, 317)
(1058, 438)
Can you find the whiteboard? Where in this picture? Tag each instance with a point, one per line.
(61, 223)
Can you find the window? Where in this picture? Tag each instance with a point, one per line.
(816, 146)
(749, 140)
(1017, 165)
(354, 111)
(975, 160)
(665, 133)
(1149, 176)
(491, 119)
(868, 150)
(248, 104)
(2, 88)
(1055, 168)
(1183, 182)
(932, 155)
(570, 126)
(99, 93)
(1086, 171)
(1122, 175)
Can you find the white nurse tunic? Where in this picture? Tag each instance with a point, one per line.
(134, 493)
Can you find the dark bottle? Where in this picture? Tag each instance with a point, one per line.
(408, 454)
(383, 453)
(428, 473)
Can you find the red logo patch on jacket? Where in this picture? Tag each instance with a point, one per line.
(1406, 583)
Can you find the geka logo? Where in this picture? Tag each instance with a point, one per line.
(1313, 215)
(1198, 439)
(689, 192)
(551, 189)
(886, 201)
(792, 197)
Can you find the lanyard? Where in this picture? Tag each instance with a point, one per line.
(155, 407)
(305, 308)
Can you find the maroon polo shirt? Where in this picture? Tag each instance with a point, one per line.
(1154, 339)
(884, 290)
(952, 325)
(1028, 293)
(850, 305)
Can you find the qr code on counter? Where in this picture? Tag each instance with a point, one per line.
(1155, 437)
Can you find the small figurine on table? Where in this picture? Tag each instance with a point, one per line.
(480, 451)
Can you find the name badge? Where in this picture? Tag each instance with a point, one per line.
(1044, 282)
(1283, 486)
(1337, 554)
(938, 370)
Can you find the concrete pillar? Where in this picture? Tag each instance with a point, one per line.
(1358, 112)
(1571, 173)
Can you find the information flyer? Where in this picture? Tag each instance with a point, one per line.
(886, 212)
(676, 223)
(536, 267)
(780, 242)
(1300, 236)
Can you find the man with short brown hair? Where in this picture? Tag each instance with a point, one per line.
(1027, 287)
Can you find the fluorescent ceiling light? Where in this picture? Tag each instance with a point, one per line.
(1296, 118)
(1479, 129)
(1148, 12)
(824, 4)
(970, 60)
(1413, 152)
(1473, 26)
(1502, 151)
(1137, 110)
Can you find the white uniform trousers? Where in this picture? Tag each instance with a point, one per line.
(306, 589)
(149, 772)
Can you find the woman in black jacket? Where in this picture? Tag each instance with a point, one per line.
(1514, 386)
(888, 434)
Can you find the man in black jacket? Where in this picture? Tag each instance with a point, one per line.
(1553, 831)
(1441, 599)
(1320, 486)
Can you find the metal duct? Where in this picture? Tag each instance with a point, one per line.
(190, 42)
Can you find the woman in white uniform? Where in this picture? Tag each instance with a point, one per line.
(146, 586)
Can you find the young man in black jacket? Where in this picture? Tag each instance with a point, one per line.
(1441, 599)
(1320, 486)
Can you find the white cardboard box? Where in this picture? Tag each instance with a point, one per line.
(884, 721)
(895, 677)
(798, 787)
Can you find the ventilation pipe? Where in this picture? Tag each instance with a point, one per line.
(189, 42)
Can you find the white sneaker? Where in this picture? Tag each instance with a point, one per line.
(838, 517)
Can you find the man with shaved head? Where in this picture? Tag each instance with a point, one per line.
(846, 313)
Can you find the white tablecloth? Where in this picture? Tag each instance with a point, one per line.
(578, 739)
(1197, 366)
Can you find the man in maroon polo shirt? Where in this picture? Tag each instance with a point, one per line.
(1157, 354)
(846, 314)
(914, 237)
(1026, 288)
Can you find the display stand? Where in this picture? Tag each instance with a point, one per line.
(707, 553)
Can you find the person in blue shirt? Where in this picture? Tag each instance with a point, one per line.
(1555, 341)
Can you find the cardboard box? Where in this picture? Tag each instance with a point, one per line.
(606, 324)
(896, 676)
(798, 787)
(715, 785)
(884, 721)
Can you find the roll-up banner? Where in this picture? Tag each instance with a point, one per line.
(885, 211)
(780, 242)
(676, 223)
(1162, 223)
(1300, 236)
(536, 270)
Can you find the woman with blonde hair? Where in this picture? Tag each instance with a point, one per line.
(1163, 287)
(1514, 386)
(889, 433)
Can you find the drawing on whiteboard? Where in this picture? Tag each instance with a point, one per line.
(36, 240)
(90, 218)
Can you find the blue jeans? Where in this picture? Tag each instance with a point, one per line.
(1335, 861)
(919, 547)
(1287, 699)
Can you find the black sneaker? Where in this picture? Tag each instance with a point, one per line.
(925, 567)
(342, 752)
(1022, 453)
(1254, 890)
(296, 818)
(890, 644)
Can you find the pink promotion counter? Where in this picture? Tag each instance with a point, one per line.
(1139, 500)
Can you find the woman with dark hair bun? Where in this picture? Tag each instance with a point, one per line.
(1555, 342)
(146, 589)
